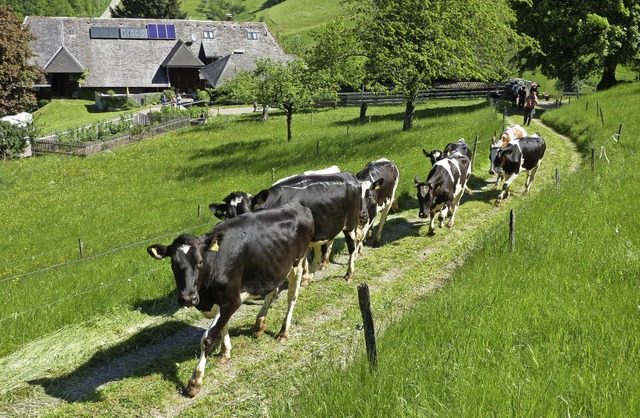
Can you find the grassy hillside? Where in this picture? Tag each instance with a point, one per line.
(287, 19)
(103, 336)
(550, 329)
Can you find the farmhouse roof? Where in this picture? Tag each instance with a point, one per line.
(63, 62)
(139, 52)
(226, 67)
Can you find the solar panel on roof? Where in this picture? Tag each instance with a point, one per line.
(133, 33)
(171, 32)
(162, 32)
(153, 31)
(103, 33)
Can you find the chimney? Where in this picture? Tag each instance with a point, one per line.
(229, 17)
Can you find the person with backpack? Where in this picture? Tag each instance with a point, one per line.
(530, 104)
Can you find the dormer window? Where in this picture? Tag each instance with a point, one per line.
(253, 35)
(209, 34)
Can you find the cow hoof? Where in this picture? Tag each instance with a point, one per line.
(376, 244)
(431, 233)
(223, 359)
(347, 278)
(191, 390)
(282, 338)
(259, 327)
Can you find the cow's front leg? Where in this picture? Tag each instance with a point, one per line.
(262, 315)
(432, 223)
(294, 278)
(531, 174)
(217, 328)
(505, 188)
(350, 239)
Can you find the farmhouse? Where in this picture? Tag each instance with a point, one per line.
(83, 55)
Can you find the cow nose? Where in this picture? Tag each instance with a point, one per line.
(492, 171)
(421, 215)
(188, 299)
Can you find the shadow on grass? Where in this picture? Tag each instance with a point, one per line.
(419, 113)
(153, 350)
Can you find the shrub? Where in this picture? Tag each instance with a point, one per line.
(43, 102)
(14, 138)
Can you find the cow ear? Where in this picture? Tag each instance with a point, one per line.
(259, 199)
(211, 240)
(376, 184)
(157, 251)
(426, 153)
(416, 179)
(218, 209)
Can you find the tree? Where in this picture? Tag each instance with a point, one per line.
(286, 85)
(148, 9)
(17, 75)
(218, 9)
(412, 44)
(580, 37)
(338, 56)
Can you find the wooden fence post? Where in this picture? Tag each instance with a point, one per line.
(512, 229)
(317, 148)
(473, 156)
(273, 175)
(619, 132)
(601, 117)
(593, 160)
(557, 181)
(81, 247)
(199, 209)
(367, 320)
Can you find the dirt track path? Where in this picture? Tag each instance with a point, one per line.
(326, 320)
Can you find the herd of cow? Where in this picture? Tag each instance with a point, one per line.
(263, 239)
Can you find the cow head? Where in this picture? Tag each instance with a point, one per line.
(434, 156)
(259, 199)
(186, 253)
(501, 156)
(426, 197)
(369, 202)
(233, 205)
(496, 145)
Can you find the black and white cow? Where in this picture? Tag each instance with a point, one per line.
(509, 134)
(520, 154)
(237, 203)
(379, 181)
(250, 255)
(334, 200)
(443, 189)
(460, 146)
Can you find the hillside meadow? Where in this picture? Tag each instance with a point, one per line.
(550, 329)
(103, 335)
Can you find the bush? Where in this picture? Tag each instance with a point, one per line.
(43, 102)
(14, 138)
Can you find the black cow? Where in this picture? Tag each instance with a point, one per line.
(379, 181)
(460, 146)
(443, 189)
(520, 154)
(334, 200)
(250, 255)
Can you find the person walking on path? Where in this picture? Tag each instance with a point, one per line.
(522, 95)
(529, 107)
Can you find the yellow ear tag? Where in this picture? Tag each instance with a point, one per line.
(214, 246)
(155, 252)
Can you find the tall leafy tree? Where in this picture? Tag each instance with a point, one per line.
(17, 75)
(580, 37)
(286, 85)
(411, 44)
(149, 9)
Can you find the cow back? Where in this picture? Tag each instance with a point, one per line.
(334, 200)
(533, 148)
(256, 251)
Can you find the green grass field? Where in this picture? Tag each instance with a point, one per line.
(550, 329)
(66, 114)
(103, 336)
